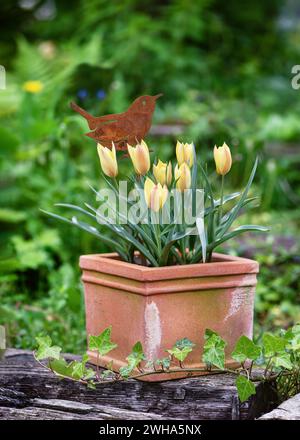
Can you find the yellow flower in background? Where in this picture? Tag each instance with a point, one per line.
(108, 160)
(223, 160)
(140, 157)
(163, 172)
(155, 194)
(183, 177)
(185, 153)
(33, 86)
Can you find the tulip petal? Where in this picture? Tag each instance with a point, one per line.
(148, 187)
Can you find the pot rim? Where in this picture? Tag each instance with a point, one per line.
(110, 263)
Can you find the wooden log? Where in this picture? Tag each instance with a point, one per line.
(29, 391)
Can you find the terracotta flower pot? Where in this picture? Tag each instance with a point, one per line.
(158, 306)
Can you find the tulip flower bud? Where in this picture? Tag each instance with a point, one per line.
(108, 160)
(140, 157)
(155, 195)
(183, 177)
(185, 153)
(163, 172)
(223, 159)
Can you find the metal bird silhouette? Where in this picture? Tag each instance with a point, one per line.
(129, 127)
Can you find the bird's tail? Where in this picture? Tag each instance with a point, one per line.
(83, 113)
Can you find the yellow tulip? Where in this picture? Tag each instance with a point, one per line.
(33, 86)
(163, 172)
(155, 194)
(185, 153)
(183, 177)
(223, 159)
(108, 160)
(140, 157)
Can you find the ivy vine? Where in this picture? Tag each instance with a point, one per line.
(278, 359)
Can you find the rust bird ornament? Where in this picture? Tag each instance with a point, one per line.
(129, 127)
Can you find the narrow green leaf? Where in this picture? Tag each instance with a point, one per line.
(170, 242)
(238, 206)
(227, 198)
(235, 232)
(111, 243)
(202, 237)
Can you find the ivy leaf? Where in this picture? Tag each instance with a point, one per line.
(245, 388)
(133, 360)
(91, 385)
(273, 344)
(283, 360)
(46, 349)
(181, 349)
(245, 349)
(44, 340)
(89, 373)
(213, 350)
(292, 336)
(296, 329)
(294, 344)
(180, 354)
(287, 334)
(165, 362)
(78, 369)
(184, 343)
(125, 371)
(75, 369)
(85, 358)
(102, 343)
(107, 374)
(209, 332)
(61, 367)
(150, 364)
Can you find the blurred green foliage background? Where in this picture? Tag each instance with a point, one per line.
(225, 71)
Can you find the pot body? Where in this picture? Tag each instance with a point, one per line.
(158, 306)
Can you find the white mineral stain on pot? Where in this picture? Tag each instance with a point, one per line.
(242, 297)
(238, 299)
(152, 330)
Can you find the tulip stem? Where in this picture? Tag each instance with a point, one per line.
(115, 183)
(157, 231)
(221, 200)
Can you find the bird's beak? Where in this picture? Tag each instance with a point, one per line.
(157, 96)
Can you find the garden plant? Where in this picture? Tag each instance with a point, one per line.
(227, 73)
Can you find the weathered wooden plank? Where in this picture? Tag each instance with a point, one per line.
(206, 397)
(36, 413)
(70, 410)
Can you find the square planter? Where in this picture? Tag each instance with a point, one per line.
(158, 306)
